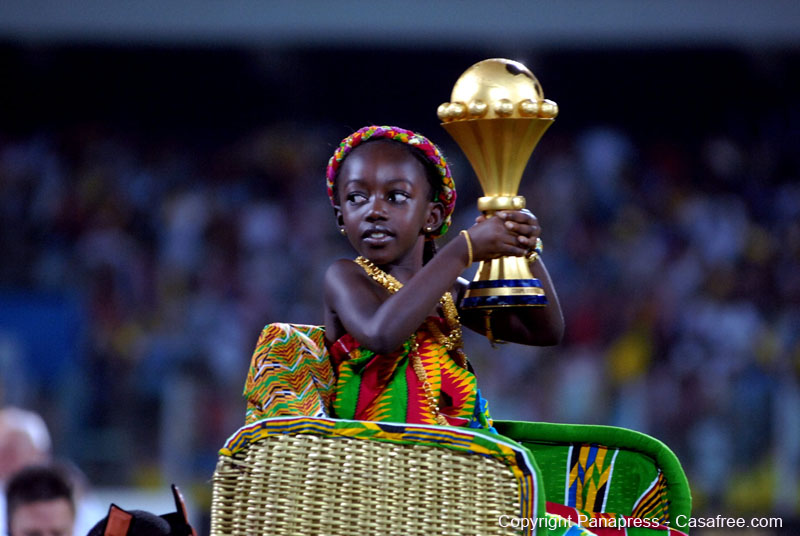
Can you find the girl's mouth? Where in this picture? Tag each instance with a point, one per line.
(376, 236)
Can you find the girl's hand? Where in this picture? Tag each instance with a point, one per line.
(508, 232)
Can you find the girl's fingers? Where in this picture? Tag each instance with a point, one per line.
(523, 229)
(508, 250)
(515, 251)
(520, 216)
(515, 245)
(511, 233)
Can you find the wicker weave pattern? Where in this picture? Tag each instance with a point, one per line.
(306, 484)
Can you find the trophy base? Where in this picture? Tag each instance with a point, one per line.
(504, 282)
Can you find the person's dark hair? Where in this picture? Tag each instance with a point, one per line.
(36, 484)
(431, 173)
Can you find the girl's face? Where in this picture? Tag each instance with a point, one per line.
(385, 203)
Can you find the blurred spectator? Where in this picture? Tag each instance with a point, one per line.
(40, 503)
(24, 441)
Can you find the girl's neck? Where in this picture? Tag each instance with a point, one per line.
(405, 267)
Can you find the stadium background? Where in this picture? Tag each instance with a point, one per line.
(162, 198)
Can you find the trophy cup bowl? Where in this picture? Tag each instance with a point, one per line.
(497, 114)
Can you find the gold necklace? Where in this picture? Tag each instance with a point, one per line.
(451, 341)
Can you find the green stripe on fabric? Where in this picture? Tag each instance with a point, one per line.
(397, 396)
(347, 397)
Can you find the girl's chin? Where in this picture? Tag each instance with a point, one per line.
(377, 256)
(384, 254)
(378, 259)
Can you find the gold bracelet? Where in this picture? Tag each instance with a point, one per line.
(469, 245)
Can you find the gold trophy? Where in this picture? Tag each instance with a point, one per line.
(497, 114)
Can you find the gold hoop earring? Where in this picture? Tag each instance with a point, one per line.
(343, 231)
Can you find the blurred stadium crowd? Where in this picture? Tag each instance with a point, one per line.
(138, 268)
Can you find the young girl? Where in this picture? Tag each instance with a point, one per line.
(391, 323)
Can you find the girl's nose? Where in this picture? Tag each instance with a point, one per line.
(377, 210)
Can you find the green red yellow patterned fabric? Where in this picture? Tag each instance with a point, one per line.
(561, 526)
(610, 524)
(611, 479)
(374, 387)
(290, 373)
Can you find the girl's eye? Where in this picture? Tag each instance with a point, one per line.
(356, 197)
(399, 197)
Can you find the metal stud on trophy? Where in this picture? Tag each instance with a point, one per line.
(497, 114)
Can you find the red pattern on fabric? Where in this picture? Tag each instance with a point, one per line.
(340, 350)
(458, 384)
(568, 512)
(416, 412)
(374, 379)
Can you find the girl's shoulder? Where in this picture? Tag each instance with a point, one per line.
(342, 264)
(342, 268)
(344, 275)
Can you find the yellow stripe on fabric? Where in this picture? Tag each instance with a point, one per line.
(289, 373)
(595, 467)
(583, 459)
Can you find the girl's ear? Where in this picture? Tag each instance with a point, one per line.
(435, 215)
(337, 211)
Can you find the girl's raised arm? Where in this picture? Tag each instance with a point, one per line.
(357, 305)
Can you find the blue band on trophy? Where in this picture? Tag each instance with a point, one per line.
(503, 301)
(499, 283)
(504, 293)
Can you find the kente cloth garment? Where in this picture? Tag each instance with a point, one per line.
(290, 373)
(385, 387)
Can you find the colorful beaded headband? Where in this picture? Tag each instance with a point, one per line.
(447, 190)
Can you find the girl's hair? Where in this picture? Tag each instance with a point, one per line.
(431, 173)
(436, 169)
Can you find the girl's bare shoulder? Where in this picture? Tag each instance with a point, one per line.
(344, 277)
(341, 266)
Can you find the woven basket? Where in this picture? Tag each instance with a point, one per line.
(308, 484)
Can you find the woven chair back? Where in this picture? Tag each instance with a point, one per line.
(303, 483)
